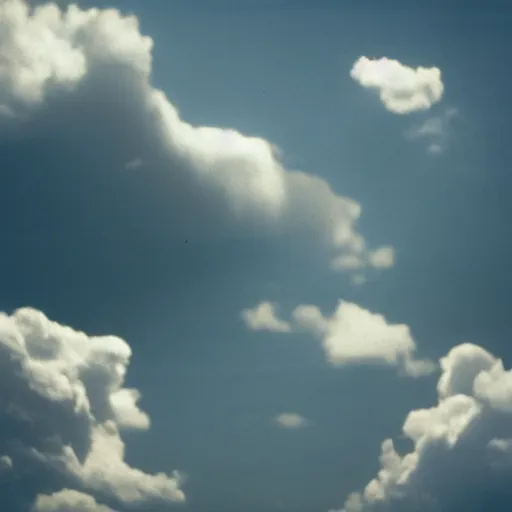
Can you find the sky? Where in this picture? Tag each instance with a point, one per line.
(255, 256)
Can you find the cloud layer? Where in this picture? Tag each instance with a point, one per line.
(351, 335)
(91, 70)
(461, 456)
(402, 89)
(64, 406)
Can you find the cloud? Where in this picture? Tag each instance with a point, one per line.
(68, 500)
(63, 406)
(461, 456)
(263, 317)
(382, 258)
(310, 318)
(402, 89)
(435, 131)
(354, 335)
(83, 79)
(431, 127)
(136, 163)
(291, 420)
(434, 148)
(351, 335)
(5, 463)
(358, 279)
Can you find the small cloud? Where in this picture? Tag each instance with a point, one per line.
(5, 463)
(351, 335)
(434, 149)
(402, 89)
(383, 257)
(292, 420)
(432, 126)
(500, 451)
(359, 279)
(418, 367)
(354, 335)
(347, 262)
(136, 163)
(435, 130)
(263, 317)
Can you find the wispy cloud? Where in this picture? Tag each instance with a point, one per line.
(435, 131)
(136, 163)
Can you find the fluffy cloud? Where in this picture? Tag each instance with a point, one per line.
(68, 500)
(461, 456)
(263, 317)
(384, 257)
(402, 89)
(82, 78)
(291, 420)
(355, 335)
(351, 335)
(63, 406)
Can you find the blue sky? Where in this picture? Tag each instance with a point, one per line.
(320, 271)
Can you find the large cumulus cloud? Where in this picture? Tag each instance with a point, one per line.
(83, 78)
(63, 407)
(461, 455)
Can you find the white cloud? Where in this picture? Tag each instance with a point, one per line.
(263, 317)
(460, 368)
(82, 77)
(291, 420)
(461, 453)
(68, 500)
(355, 335)
(68, 388)
(351, 335)
(384, 257)
(381, 258)
(494, 388)
(402, 89)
